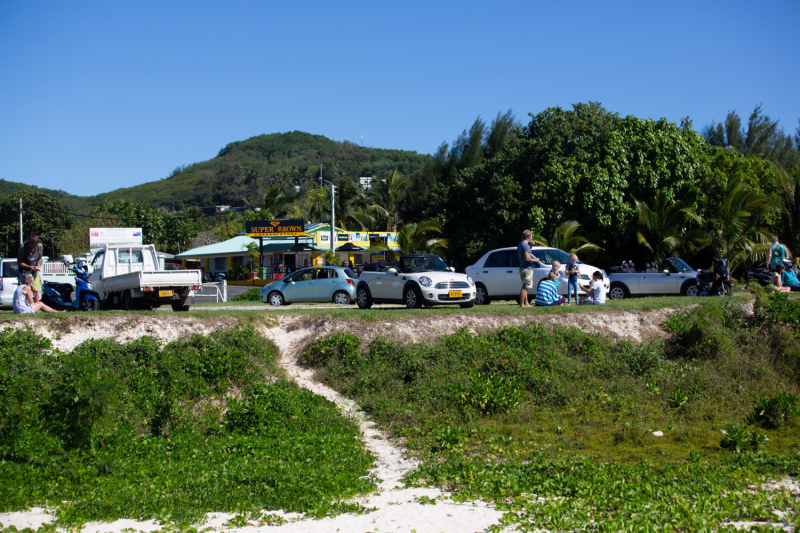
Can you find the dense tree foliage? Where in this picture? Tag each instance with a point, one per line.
(40, 213)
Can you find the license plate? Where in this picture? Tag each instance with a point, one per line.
(164, 294)
(455, 294)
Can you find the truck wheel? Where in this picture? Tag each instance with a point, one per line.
(127, 302)
(618, 292)
(363, 298)
(481, 296)
(413, 298)
(341, 298)
(690, 289)
(178, 307)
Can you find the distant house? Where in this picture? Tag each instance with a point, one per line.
(366, 182)
(210, 210)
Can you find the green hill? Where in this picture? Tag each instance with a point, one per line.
(242, 169)
(10, 187)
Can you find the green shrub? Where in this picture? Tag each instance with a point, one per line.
(250, 295)
(131, 430)
(339, 346)
(777, 308)
(774, 412)
(493, 393)
(738, 438)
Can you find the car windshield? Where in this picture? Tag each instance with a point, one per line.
(423, 263)
(549, 255)
(677, 265)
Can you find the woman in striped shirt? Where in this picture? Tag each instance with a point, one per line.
(547, 294)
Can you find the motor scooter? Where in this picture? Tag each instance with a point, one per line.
(717, 282)
(59, 295)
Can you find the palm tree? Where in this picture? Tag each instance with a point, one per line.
(739, 237)
(564, 238)
(389, 191)
(420, 238)
(353, 211)
(662, 227)
(790, 212)
(275, 204)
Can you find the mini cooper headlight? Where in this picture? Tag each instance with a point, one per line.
(469, 278)
(425, 281)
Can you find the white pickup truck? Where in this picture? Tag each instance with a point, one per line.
(127, 277)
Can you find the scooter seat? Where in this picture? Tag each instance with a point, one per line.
(64, 289)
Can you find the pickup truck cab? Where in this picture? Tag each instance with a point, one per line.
(677, 278)
(416, 280)
(127, 277)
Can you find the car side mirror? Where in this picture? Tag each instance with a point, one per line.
(452, 269)
(391, 271)
(666, 271)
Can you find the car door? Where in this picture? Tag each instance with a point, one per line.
(658, 283)
(324, 284)
(299, 287)
(10, 282)
(494, 273)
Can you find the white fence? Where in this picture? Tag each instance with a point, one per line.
(218, 291)
(56, 267)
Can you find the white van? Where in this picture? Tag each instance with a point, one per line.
(496, 274)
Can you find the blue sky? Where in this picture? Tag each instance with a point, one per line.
(101, 95)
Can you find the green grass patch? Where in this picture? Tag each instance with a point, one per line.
(570, 415)
(168, 432)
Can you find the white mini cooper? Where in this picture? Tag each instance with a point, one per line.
(415, 281)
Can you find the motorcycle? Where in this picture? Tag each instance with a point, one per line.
(715, 282)
(59, 295)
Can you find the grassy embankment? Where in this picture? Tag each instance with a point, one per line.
(522, 413)
(168, 432)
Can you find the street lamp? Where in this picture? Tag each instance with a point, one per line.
(53, 244)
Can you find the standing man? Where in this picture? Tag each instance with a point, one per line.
(775, 254)
(29, 261)
(526, 261)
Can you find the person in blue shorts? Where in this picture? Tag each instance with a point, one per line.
(572, 270)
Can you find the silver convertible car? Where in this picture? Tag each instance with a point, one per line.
(317, 284)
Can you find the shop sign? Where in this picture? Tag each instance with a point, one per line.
(275, 228)
(99, 237)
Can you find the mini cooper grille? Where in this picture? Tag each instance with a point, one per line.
(445, 298)
(452, 285)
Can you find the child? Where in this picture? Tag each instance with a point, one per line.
(572, 281)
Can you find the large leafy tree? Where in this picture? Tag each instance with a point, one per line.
(584, 164)
(275, 204)
(138, 215)
(40, 213)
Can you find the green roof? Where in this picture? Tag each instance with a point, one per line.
(237, 245)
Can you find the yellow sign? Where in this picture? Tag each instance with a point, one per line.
(276, 228)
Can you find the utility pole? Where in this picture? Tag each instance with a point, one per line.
(20, 222)
(333, 218)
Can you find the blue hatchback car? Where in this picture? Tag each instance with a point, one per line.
(317, 284)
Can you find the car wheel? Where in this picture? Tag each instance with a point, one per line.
(617, 292)
(413, 298)
(690, 289)
(341, 298)
(467, 305)
(276, 299)
(481, 296)
(363, 298)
